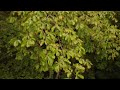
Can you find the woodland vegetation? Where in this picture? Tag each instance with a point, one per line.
(59, 45)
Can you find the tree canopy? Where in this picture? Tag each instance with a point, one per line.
(59, 44)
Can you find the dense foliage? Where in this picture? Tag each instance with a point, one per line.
(59, 44)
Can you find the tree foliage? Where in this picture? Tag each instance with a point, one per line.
(59, 44)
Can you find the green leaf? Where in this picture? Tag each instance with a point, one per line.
(30, 43)
(12, 19)
(66, 60)
(69, 74)
(53, 28)
(57, 54)
(37, 66)
(50, 61)
(81, 26)
(23, 44)
(41, 35)
(33, 56)
(57, 68)
(19, 56)
(79, 67)
(80, 76)
(16, 43)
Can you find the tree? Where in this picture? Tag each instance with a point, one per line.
(60, 44)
